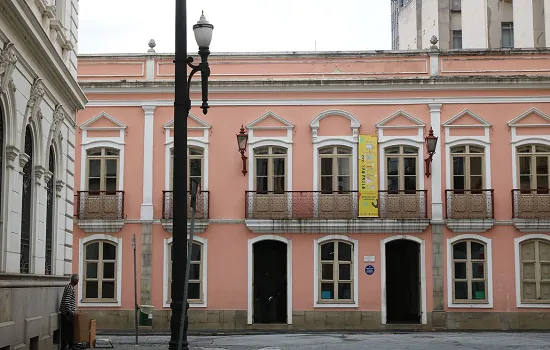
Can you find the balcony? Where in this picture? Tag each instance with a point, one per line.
(469, 210)
(336, 212)
(201, 213)
(100, 211)
(531, 209)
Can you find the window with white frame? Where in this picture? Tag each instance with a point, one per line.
(336, 272)
(469, 271)
(535, 271)
(507, 32)
(196, 275)
(195, 166)
(467, 164)
(533, 168)
(335, 164)
(100, 272)
(270, 167)
(102, 169)
(401, 168)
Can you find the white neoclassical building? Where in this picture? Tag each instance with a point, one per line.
(39, 98)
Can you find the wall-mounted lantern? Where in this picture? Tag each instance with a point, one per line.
(431, 143)
(242, 140)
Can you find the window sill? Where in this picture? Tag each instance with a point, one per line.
(534, 305)
(336, 305)
(82, 303)
(191, 305)
(487, 305)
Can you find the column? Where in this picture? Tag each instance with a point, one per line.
(147, 207)
(523, 24)
(430, 22)
(438, 314)
(475, 29)
(13, 180)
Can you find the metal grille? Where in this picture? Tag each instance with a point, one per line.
(100, 205)
(26, 205)
(531, 203)
(201, 210)
(332, 205)
(469, 204)
(49, 214)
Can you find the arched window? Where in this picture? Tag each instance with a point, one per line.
(102, 169)
(401, 168)
(100, 272)
(26, 203)
(270, 169)
(195, 166)
(533, 172)
(336, 272)
(50, 213)
(196, 279)
(469, 271)
(467, 167)
(335, 168)
(535, 271)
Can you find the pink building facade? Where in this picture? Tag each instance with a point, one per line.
(460, 242)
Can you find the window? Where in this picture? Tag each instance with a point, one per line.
(401, 168)
(456, 5)
(533, 166)
(457, 39)
(100, 271)
(335, 172)
(196, 290)
(535, 271)
(469, 272)
(102, 169)
(336, 272)
(50, 214)
(270, 169)
(467, 167)
(507, 29)
(195, 166)
(26, 204)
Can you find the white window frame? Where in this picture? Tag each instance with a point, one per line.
(488, 261)
(316, 244)
(517, 261)
(100, 237)
(204, 277)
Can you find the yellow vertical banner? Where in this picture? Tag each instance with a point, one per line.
(368, 176)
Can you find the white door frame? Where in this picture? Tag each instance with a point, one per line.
(288, 243)
(424, 317)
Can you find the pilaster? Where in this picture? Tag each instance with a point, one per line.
(147, 204)
(437, 203)
(524, 34)
(475, 29)
(146, 263)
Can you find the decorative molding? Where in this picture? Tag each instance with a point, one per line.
(515, 122)
(354, 123)
(23, 159)
(118, 124)
(532, 225)
(482, 122)
(38, 172)
(470, 225)
(47, 177)
(200, 225)
(269, 114)
(8, 60)
(11, 154)
(99, 226)
(342, 226)
(36, 96)
(59, 185)
(400, 113)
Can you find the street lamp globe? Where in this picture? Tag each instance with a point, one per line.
(203, 32)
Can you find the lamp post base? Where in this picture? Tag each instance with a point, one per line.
(175, 323)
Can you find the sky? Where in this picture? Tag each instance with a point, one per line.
(126, 26)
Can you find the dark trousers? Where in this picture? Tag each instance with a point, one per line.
(67, 331)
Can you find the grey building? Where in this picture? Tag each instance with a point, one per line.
(39, 98)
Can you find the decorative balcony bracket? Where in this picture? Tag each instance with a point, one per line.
(200, 225)
(470, 225)
(340, 226)
(532, 225)
(100, 225)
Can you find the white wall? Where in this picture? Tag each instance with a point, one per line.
(430, 22)
(407, 27)
(523, 24)
(475, 32)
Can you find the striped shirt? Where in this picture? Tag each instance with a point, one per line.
(67, 306)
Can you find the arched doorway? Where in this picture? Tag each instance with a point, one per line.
(403, 279)
(270, 280)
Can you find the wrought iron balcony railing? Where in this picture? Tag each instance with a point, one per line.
(469, 204)
(100, 205)
(201, 210)
(531, 203)
(332, 205)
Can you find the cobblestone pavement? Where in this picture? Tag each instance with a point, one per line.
(352, 341)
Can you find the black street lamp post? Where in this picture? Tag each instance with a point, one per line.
(182, 106)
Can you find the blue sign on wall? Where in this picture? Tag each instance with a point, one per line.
(369, 270)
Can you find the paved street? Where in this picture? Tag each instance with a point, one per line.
(382, 341)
